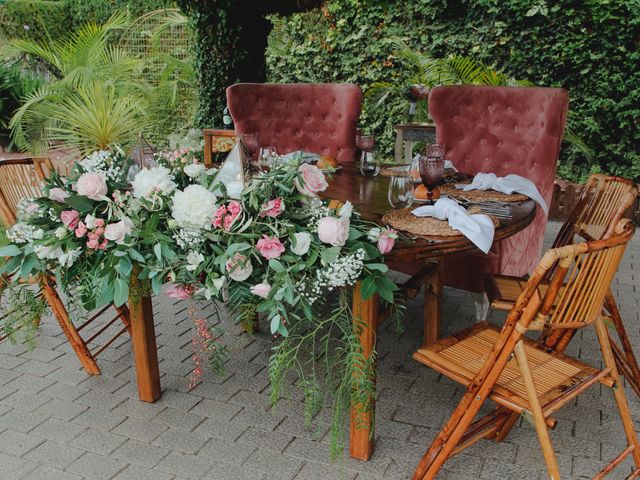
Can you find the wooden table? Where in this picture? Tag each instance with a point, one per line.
(369, 197)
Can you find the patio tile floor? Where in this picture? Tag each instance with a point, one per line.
(57, 423)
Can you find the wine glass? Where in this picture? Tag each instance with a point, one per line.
(435, 150)
(400, 193)
(431, 171)
(267, 156)
(366, 142)
(369, 165)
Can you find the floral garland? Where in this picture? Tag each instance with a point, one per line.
(278, 251)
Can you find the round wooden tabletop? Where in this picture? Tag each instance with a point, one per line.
(369, 197)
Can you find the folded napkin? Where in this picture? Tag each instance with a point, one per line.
(509, 184)
(478, 227)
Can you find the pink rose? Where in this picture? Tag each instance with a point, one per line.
(92, 185)
(179, 292)
(272, 208)
(261, 290)
(70, 218)
(81, 231)
(58, 195)
(311, 180)
(333, 231)
(239, 268)
(270, 247)
(234, 208)
(117, 231)
(229, 220)
(218, 216)
(99, 222)
(386, 240)
(93, 241)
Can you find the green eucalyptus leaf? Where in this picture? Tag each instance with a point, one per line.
(10, 251)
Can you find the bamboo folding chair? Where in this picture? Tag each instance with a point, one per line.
(602, 203)
(20, 179)
(524, 376)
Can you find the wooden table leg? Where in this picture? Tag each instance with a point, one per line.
(433, 303)
(362, 426)
(143, 337)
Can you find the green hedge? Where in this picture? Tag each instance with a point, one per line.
(589, 47)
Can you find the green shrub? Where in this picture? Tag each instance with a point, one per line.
(99, 11)
(590, 48)
(38, 19)
(14, 86)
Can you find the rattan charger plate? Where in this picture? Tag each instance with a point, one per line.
(450, 189)
(405, 221)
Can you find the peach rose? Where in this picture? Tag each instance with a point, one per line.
(333, 231)
(310, 180)
(92, 185)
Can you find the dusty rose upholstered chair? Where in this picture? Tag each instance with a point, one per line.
(501, 130)
(316, 117)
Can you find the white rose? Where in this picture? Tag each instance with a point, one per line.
(90, 222)
(60, 233)
(194, 259)
(116, 232)
(193, 207)
(346, 210)
(301, 244)
(194, 170)
(152, 180)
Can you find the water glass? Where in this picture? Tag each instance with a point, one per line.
(267, 156)
(400, 191)
(369, 166)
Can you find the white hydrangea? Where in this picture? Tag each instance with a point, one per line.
(153, 181)
(193, 207)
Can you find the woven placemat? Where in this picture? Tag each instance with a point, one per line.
(405, 221)
(481, 195)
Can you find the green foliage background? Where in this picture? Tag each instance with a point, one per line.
(589, 47)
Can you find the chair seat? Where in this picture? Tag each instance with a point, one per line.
(556, 375)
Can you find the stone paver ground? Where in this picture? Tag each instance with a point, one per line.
(57, 423)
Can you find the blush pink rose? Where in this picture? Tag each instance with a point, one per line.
(81, 231)
(92, 185)
(270, 247)
(99, 222)
(70, 218)
(311, 180)
(117, 231)
(179, 292)
(93, 241)
(272, 208)
(387, 240)
(234, 208)
(239, 267)
(261, 290)
(334, 231)
(58, 195)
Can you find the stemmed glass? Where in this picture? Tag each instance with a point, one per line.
(432, 168)
(369, 165)
(267, 156)
(400, 193)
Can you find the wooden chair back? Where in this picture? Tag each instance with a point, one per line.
(19, 179)
(602, 203)
(581, 276)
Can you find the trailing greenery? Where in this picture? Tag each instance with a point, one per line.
(590, 48)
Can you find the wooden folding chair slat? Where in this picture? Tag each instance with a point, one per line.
(601, 205)
(524, 376)
(23, 178)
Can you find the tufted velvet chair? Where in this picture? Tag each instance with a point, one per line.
(501, 130)
(316, 117)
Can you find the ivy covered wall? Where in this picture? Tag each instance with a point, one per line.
(589, 47)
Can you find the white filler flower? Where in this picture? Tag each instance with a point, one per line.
(193, 207)
(150, 181)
